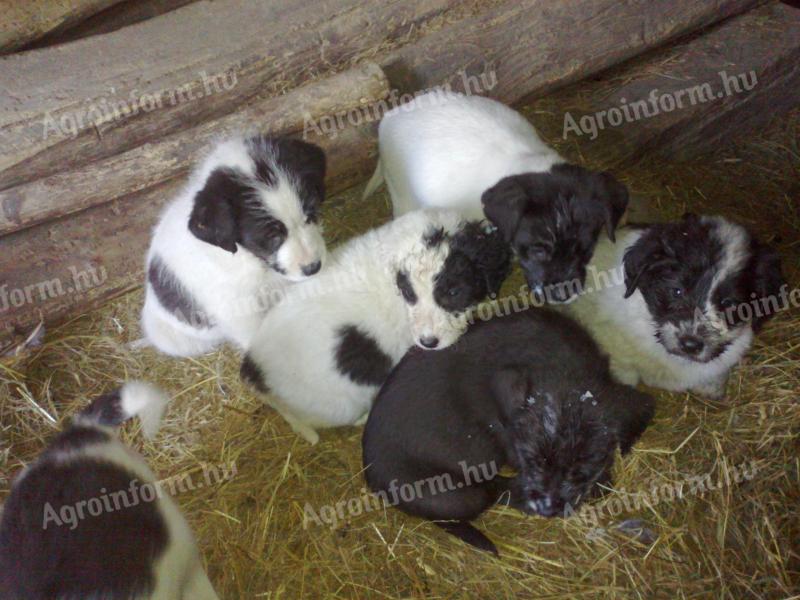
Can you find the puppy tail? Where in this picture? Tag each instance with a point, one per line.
(375, 182)
(134, 399)
(466, 532)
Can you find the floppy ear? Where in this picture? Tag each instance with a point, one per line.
(213, 217)
(649, 252)
(487, 250)
(509, 390)
(307, 162)
(614, 197)
(504, 204)
(629, 412)
(765, 265)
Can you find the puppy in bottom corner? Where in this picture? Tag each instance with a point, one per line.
(86, 519)
(530, 391)
(673, 303)
(326, 349)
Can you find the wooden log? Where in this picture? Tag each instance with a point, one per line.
(73, 265)
(30, 20)
(157, 161)
(172, 72)
(693, 98)
(126, 12)
(531, 47)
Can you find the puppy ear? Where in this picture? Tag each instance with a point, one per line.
(649, 252)
(765, 265)
(504, 204)
(509, 389)
(213, 217)
(487, 250)
(629, 412)
(307, 162)
(614, 197)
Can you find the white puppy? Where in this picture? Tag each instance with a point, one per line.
(86, 519)
(243, 229)
(675, 305)
(327, 348)
(478, 156)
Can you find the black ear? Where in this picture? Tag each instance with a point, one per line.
(487, 250)
(213, 218)
(649, 252)
(509, 390)
(307, 162)
(765, 266)
(614, 197)
(629, 412)
(504, 204)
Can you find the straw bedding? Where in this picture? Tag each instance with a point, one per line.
(249, 504)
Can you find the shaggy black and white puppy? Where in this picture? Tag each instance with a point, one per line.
(478, 156)
(225, 249)
(327, 348)
(530, 391)
(86, 519)
(667, 298)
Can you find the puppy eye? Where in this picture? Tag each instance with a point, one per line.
(453, 292)
(678, 292)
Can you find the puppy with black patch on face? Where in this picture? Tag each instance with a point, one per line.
(326, 349)
(667, 307)
(244, 228)
(86, 519)
(530, 391)
(476, 155)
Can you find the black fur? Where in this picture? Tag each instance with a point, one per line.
(405, 287)
(475, 267)
(174, 297)
(58, 561)
(552, 221)
(106, 410)
(251, 373)
(674, 265)
(227, 211)
(77, 437)
(360, 358)
(511, 391)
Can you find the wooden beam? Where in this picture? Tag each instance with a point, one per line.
(174, 71)
(693, 98)
(155, 162)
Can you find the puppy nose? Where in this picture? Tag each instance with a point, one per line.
(691, 344)
(312, 268)
(429, 341)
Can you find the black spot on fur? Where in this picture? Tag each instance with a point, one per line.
(105, 554)
(434, 237)
(359, 357)
(76, 437)
(305, 163)
(214, 217)
(106, 410)
(476, 266)
(174, 297)
(251, 373)
(405, 287)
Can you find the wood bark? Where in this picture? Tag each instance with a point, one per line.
(163, 158)
(172, 72)
(24, 21)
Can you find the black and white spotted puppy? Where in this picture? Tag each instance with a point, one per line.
(327, 348)
(668, 301)
(225, 249)
(86, 519)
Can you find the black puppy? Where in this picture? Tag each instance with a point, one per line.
(530, 391)
(552, 220)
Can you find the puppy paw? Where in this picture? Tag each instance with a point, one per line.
(624, 374)
(714, 389)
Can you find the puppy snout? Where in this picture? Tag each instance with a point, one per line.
(311, 268)
(691, 344)
(545, 506)
(429, 341)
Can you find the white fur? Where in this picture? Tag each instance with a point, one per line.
(443, 150)
(625, 330)
(234, 289)
(295, 346)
